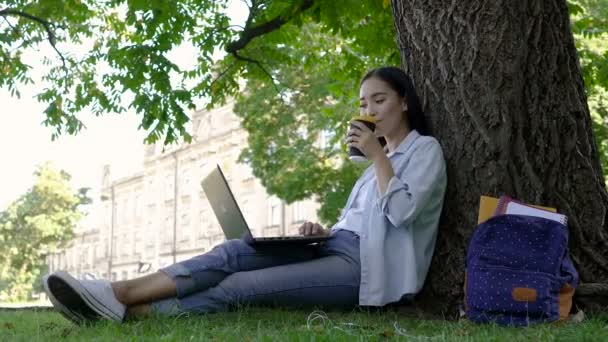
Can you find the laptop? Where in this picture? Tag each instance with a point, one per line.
(231, 218)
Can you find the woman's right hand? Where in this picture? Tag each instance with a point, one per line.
(309, 228)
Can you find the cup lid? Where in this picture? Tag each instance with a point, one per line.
(367, 118)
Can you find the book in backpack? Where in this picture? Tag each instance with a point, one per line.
(518, 271)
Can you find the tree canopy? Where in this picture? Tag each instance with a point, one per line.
(130, 41)
(38, 223)
(300, 59)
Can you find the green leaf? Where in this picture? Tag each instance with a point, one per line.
(575, 8)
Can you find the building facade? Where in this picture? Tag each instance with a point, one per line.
(160, 215)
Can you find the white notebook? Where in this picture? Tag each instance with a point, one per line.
(514, 208)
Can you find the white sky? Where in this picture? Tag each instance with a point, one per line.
(110, 139)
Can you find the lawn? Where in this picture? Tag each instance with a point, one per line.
(287, 325)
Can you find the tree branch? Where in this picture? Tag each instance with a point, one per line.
(16, 48)
(253, 11)
(259, 65)
(249, 33)
(9, 23)
(222, 74)
(47, 26)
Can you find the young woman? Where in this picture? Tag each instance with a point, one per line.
(380, 250)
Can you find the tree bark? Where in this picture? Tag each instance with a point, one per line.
(501, 85)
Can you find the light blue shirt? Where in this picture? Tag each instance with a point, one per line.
(399, 228)
(353, 218)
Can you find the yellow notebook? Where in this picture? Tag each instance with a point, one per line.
(488, 205)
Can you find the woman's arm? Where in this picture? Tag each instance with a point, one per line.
(384, 172)
(409, 192)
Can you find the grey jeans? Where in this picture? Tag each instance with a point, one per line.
(235, 273)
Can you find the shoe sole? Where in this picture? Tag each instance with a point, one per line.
(61, 277)
(73, 302)
(63, 310)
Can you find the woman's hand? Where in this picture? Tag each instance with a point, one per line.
(361, 137)
(309, 228)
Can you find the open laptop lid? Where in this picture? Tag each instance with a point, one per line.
(231, 218)
(224, 206)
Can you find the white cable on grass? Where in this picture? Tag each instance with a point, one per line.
(328, 323)
(315, 315)
(401, 332)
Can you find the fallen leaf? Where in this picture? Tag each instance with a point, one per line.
(9, 326)
(387, 334)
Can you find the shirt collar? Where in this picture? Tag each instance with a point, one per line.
(406, 143)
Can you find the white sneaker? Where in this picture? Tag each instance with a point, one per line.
(97, 294)
(74, 309)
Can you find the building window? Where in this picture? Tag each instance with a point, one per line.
(185, 220)
(137, 205)
(123, 245)
(150, 211)
(138, 245)
(167, 234)
(247, 172)
(200, 230)
(274, 211)
(184, 235)
(85, 256)
(248, 186)
(169, 186)
(124, 212)
(151, 191)
(97, 251)
(91, 256)
(298, 213)
(227, 169)
(136, 241)
(186, 184)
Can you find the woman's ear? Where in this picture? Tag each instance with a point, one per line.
(404, 105)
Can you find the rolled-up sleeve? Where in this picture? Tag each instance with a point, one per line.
(409, 191)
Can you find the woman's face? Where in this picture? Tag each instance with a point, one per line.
(379, 100)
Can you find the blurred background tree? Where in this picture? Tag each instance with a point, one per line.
(590, 29)
(40, 222)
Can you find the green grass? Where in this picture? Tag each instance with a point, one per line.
(287, 325)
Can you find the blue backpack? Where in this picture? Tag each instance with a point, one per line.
(518, 271)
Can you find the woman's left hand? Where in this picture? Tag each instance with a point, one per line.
(364, 139)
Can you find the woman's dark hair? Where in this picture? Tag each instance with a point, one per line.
(403, 85)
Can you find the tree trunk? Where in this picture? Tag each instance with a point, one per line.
(501, 84)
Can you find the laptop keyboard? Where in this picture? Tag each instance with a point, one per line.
(283, 238)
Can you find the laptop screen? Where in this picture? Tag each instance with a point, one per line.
(224, 206)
